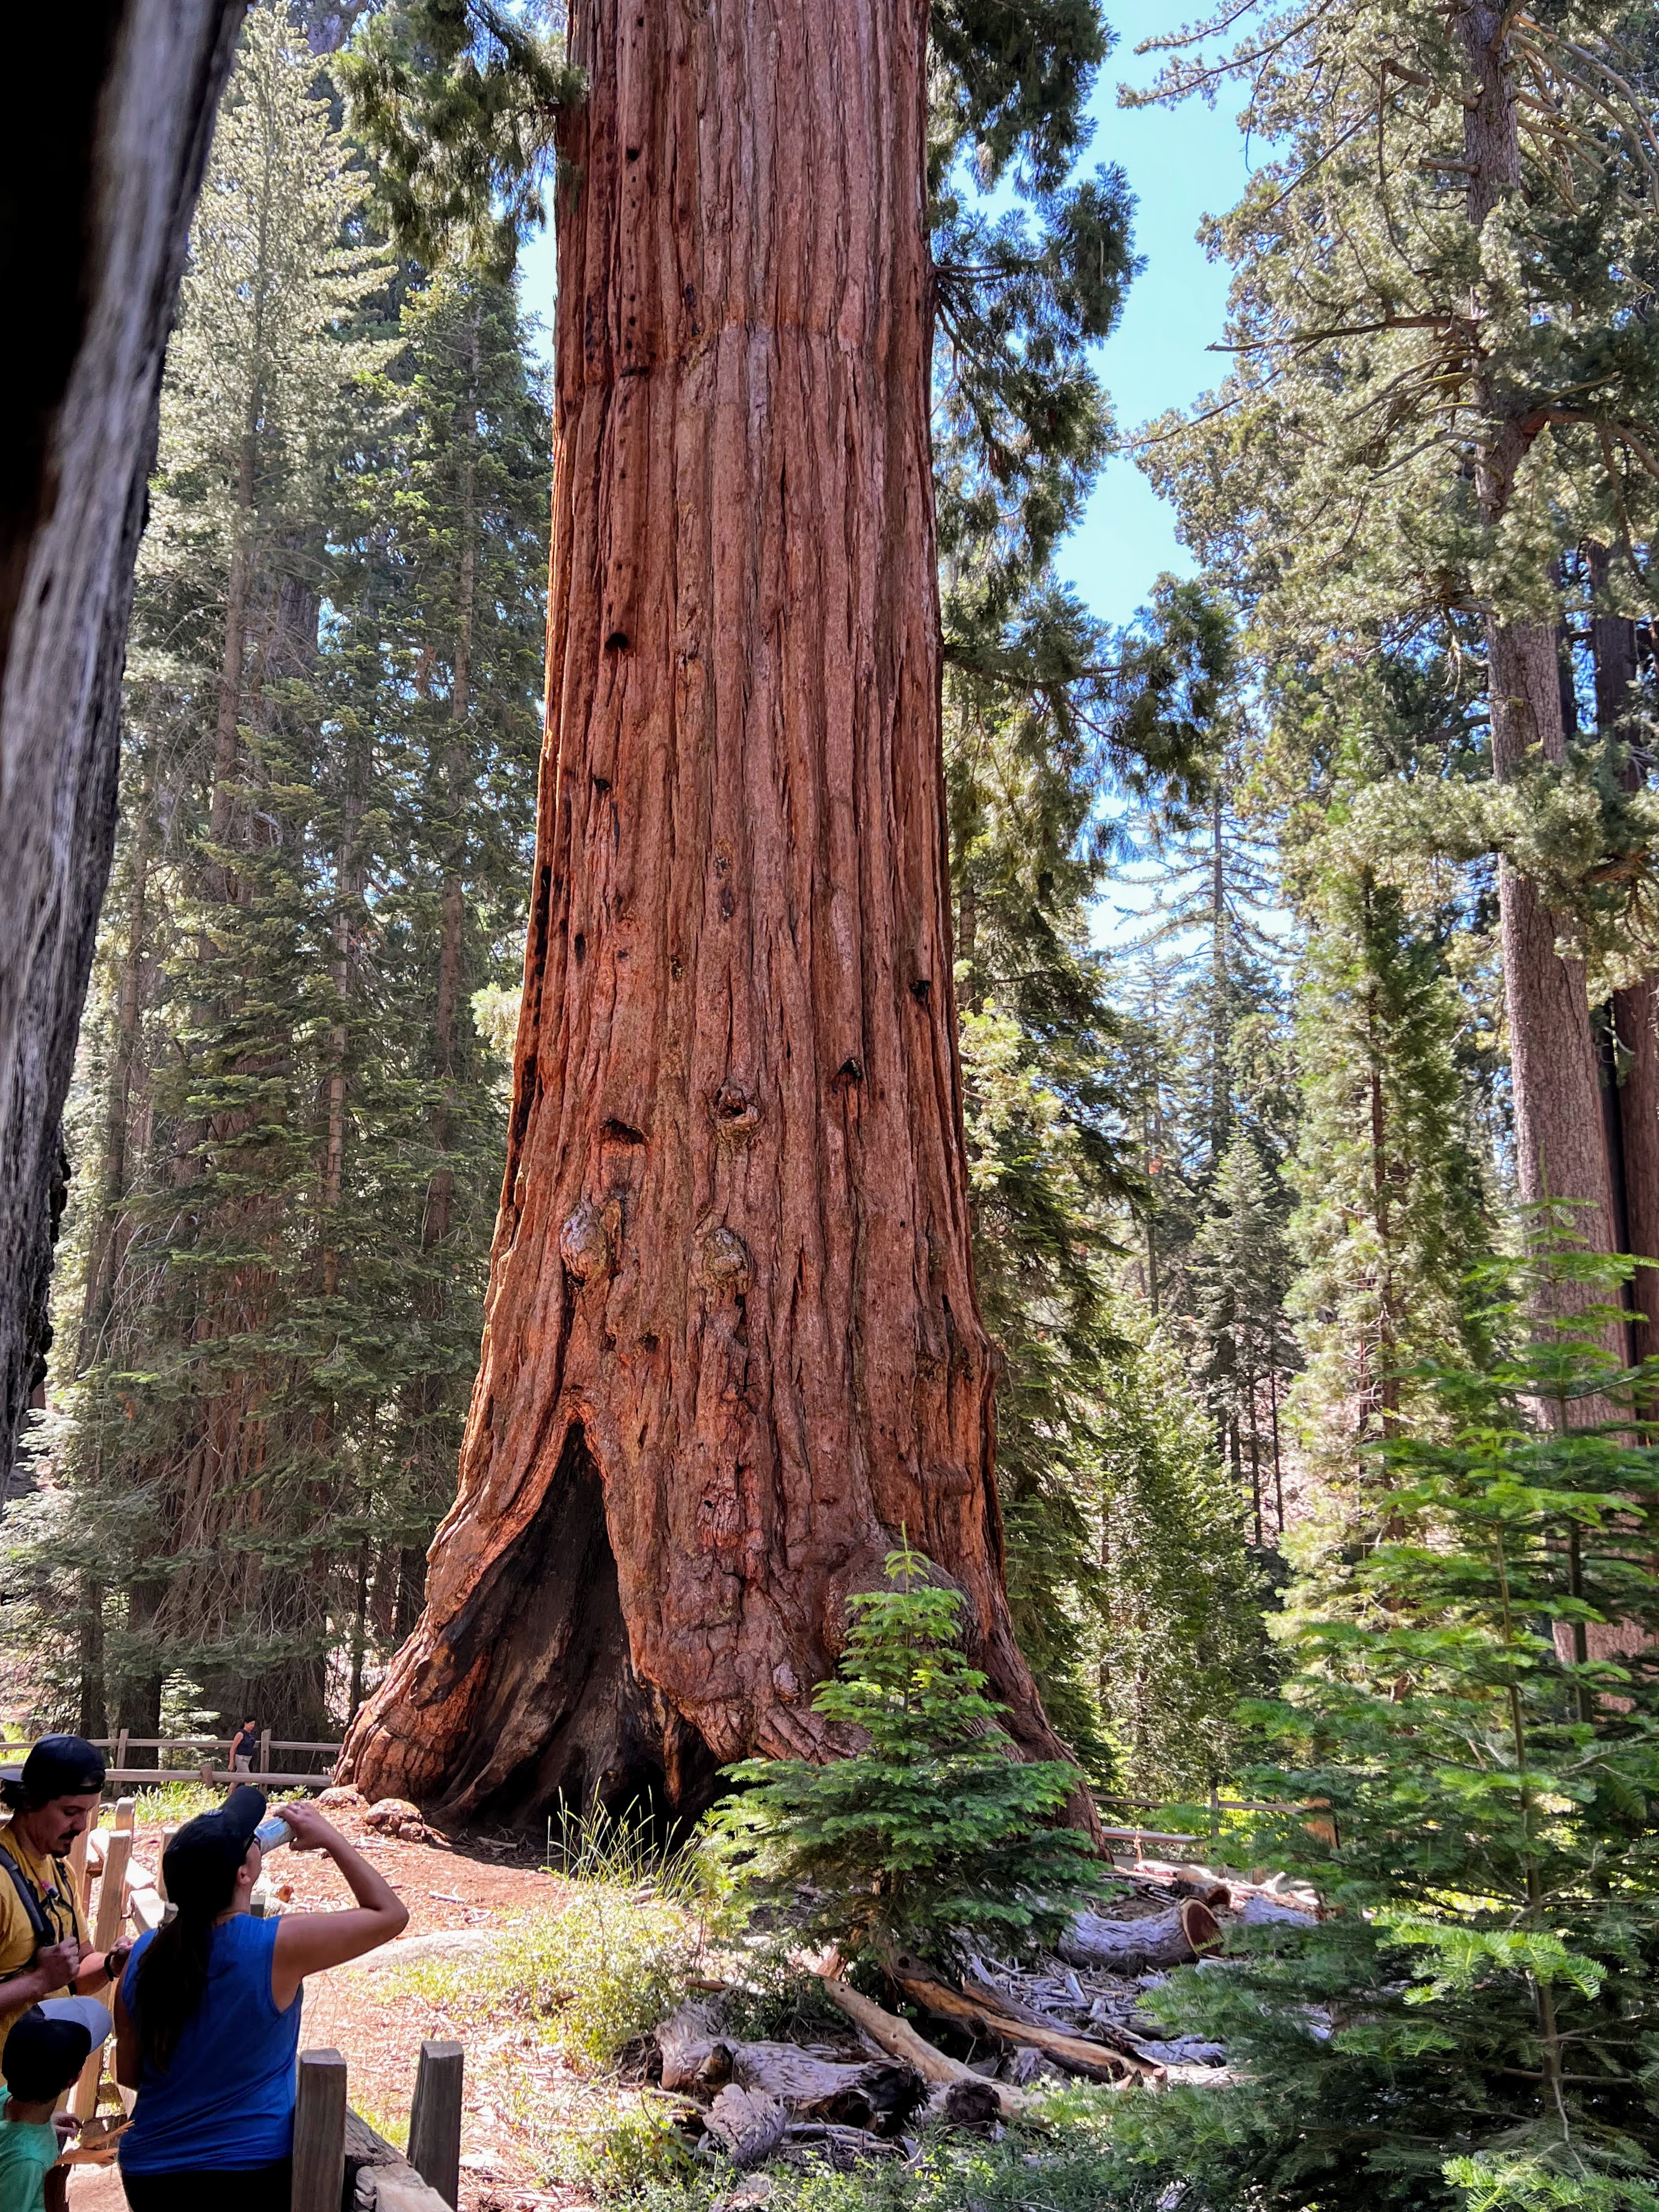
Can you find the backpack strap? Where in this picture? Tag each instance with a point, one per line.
(44, 1933)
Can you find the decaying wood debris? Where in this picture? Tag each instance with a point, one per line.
(1078, 2016)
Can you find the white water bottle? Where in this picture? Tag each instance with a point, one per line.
(272, 1833)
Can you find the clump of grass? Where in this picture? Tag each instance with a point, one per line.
(605, 1965)
(606, 1968)
(170, 1803)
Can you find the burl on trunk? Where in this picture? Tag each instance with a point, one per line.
(732, 1346)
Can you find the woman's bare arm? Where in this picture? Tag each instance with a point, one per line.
(307, 1942)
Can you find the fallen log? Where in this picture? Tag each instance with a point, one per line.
(378, 2178)
(693, 2055)
(898, 2037)
(1175, 1938)
(751, 2126)
(985, 2014)
(1262, 1910)
(853, 2094)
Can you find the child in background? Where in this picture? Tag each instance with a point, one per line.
(44, 2054)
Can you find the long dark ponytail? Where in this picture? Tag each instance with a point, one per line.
(173, 1974)
(172, 1981)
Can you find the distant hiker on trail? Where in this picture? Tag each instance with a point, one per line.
(41, 2061)
(207, 2017)
(242, 1751)
(43, 1931)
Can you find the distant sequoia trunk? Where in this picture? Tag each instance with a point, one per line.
(733, 1347)
(99, 172)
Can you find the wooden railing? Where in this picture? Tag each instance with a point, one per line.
(340, 2164)
(198, 1769)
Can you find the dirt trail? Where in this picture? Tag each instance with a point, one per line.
(378, 2026)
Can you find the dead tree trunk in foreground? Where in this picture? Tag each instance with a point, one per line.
(732, 1346)
(99, 180)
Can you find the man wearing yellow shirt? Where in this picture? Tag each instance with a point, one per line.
(43, 1931)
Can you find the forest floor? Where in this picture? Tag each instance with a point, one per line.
(377, 2013)
(560, 1987)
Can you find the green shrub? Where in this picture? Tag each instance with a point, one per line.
(634, 2155)
(1067, 2163)
(603, 1965)
(937, 1830)
(1474, 2024)
(606, 1967)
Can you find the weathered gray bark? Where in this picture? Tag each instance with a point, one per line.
(107, 166)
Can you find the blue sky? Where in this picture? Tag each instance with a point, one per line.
(1182, 164)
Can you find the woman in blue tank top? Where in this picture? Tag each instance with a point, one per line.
(207, 2016)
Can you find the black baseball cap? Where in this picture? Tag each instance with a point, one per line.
(57, 1766)
(200, 1865)
(44, 2054)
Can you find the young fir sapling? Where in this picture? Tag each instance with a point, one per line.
(934, 1837)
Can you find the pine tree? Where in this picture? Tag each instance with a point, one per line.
(1393, 1214)
(215, 1396)
(933, 1835)
(1242, 1270)
(290, 1176)
(1471, 2022)
(1180, 1598)
(1447, 376)
(1048, 1076)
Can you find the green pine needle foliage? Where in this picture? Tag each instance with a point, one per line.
(932, 1837)
(460, 101)
(1476, 1693)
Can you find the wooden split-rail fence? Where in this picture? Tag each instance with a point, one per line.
(340, 2163)
(195, 1767)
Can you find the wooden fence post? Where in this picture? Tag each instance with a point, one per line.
(120, 1758)
(106, 1931)
(79, 1879)
(126, 1812)
(319, 2113)
(264, 1751)
(435, 2119)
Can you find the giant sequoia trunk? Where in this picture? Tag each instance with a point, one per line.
(733, 1347)
(98, 173)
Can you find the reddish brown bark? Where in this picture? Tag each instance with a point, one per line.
(732, 1345)
(1560, 1149)
(1636, 1024)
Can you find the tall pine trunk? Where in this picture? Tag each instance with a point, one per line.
(1560, 1152)
(733, 1349)
(1632, 1068)
(110, 1231)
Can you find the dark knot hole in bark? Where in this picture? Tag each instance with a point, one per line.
(561, 1715)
